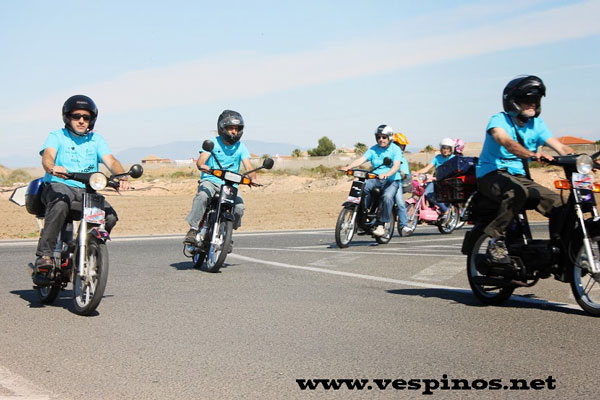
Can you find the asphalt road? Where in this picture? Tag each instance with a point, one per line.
(289, 306)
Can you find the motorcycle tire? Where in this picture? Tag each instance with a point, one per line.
(218, 250)
(487, 294)
(48, 294)
(448, 225)
(344, 228)
(88, 292)
(198, 259)
(412, 218)
(583, 283)
(389, 230)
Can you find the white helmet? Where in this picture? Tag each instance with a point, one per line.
(447, 142)
(384, 130)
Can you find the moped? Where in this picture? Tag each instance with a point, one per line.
(418, 209)
(356, 216)
(84, 260)
(573, 259)
(213, 241)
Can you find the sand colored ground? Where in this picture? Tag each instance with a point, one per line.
(160, 206)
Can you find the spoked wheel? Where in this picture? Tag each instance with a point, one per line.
(198, 259)
(89, 288)
(344, 227)
(389, 230)
(586, 285)
(48, 294)
(412, 218)
(218, 249)
(460, 223)
(494, 292)
(448, 224)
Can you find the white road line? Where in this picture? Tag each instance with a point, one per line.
(389, 252)
(20, 387)
(396, 281)
(440, 271)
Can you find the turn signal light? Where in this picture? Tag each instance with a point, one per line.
(246, 181)
(218, 173)
(596, 188)
(562, 184)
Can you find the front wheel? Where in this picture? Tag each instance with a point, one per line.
(585, 284)
(218, 249)
(447, 223)
(88, 289)
(489, 290)
(344, 227)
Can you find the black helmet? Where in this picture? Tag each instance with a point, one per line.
(79, 102)
(519, 88)
(230, 118)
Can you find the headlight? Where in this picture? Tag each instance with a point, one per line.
(98, 181)
(584, 164)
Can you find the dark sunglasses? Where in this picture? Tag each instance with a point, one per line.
(77, 117)
(382, 137)
(446, 147)
(532, 99)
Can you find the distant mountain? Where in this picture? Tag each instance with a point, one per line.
(186, 150)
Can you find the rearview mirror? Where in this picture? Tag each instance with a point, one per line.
(136, 171)
(268, 163)
(387, 161)
(208, 145)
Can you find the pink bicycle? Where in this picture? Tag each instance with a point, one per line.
(418, 210)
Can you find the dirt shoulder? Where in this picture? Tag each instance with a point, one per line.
(160, 206)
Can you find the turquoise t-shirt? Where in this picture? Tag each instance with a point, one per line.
(440, 159)
(494, 156)
(230, 157)
(376, 154)
(75, 153)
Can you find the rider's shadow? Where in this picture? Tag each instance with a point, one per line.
(189, 266)
(466, 297)
(64, 299)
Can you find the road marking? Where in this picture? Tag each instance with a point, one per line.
(441, 271)
(20, 387)
(389, 252)
(397, 281)
(335, 260)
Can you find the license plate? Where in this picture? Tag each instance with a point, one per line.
(352, 199)
(583, 181)
(93, 209)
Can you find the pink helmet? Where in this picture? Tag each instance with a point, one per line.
(459, 146)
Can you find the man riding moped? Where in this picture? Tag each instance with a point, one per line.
(388, 177)
(512, 137)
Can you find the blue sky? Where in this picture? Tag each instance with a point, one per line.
(163, 71)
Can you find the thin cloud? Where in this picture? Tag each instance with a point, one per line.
(247, 74)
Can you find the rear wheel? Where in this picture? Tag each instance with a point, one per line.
(219, 248)
(496, 290)
(389, 230)
(89, 288)
(585, 284)
(344, 227)
(446, 224)
(412, 218)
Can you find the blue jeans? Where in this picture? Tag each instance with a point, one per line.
(431, 198)
(401, 208)
(389, 189)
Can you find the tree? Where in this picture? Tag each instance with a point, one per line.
(264, 156)
(325, 147)
(360, 148)
(429, 149)
(297, 153)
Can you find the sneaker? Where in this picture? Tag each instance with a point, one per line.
(190, 237)
(43, 266)
(497, 252)
(379, 231)
(406, 231)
